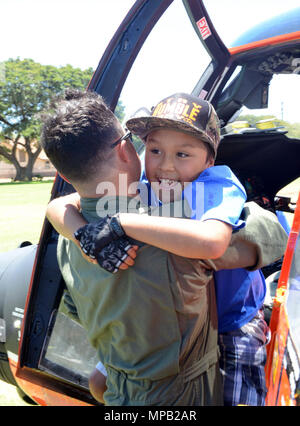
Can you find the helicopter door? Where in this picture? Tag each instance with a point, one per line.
(283, 361)
(219, 53)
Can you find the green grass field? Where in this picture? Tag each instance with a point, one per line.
(22, 212)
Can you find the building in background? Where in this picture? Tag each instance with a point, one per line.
(42, 166)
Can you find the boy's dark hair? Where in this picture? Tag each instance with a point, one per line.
(77, 134)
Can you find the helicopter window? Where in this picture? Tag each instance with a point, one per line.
(249, 87)
(282, 112)
(67, 353)
(170, 61)
(235, 73)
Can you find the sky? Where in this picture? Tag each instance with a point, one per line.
(76, 32)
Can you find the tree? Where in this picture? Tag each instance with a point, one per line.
(25, 91)
(120, 111)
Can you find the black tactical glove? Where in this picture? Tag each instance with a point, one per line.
(112, 255)
(94, 236)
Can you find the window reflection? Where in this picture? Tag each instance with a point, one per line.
(67, 353)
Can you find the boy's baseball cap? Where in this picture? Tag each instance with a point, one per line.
(183, 112)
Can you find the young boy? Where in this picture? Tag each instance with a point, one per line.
(240, 293)
(181, 138)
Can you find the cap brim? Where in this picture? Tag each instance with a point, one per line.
(142, 126)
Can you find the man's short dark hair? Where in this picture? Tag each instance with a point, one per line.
(76, 135)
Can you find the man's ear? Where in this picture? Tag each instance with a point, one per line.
(124, 151)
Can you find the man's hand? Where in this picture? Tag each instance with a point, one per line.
(94, 236)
